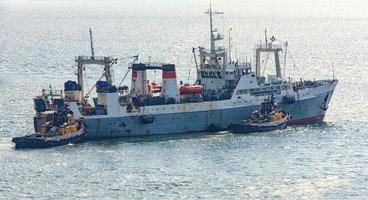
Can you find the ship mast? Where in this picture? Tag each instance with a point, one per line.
(230, 44)
(211, 32)
(212, 36)
(105, 61)
(91, 40)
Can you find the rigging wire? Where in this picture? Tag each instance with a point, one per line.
(292, 59)
(223, 24)
(265, 63)
(129, 68)
(122, 80)
(191, 61)
(216, 77)
(287, 51)
(86, 96)
(85, 78)
(114, 62)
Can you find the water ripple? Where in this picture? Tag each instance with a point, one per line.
(325, 161)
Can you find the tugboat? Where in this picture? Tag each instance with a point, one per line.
(267, 118)
(45, 140)
(59, 129)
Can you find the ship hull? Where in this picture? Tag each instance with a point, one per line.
(303, 111)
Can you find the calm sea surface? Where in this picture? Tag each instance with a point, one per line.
(38, 42)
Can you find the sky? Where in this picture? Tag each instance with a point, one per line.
(256, 8)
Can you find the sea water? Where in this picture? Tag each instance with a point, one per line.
(38, 42)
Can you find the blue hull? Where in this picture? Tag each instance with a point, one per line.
(302, 112)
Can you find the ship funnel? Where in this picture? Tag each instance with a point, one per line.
(169, 84)
(139, 76)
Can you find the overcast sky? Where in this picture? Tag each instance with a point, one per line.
(301, 8)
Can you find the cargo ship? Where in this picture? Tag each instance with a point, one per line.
(225, 91)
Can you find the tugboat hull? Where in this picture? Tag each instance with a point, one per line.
(38, 141)
(245, 127)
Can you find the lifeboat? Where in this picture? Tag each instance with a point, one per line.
(191, 89)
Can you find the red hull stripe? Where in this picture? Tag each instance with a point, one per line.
(134, 74)
(307, 120)
(169, 74)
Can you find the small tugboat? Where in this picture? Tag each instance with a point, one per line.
(41, 140)
(267, 118)
(58, 128)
